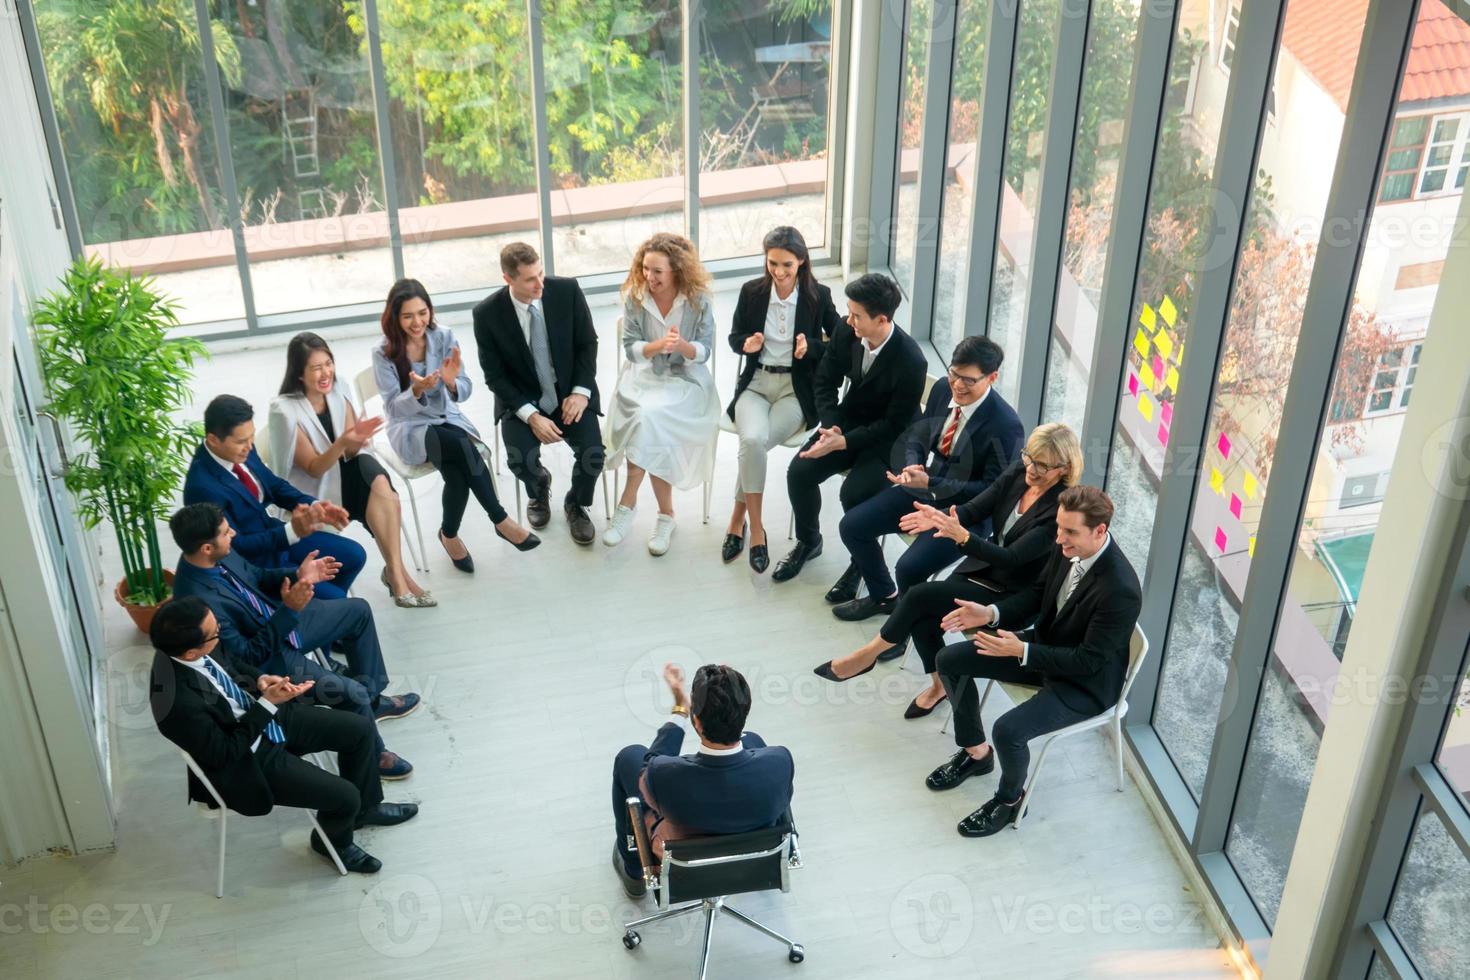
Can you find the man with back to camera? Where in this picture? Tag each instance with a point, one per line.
(733, 783)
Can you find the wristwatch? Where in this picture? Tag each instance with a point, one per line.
(679, 709)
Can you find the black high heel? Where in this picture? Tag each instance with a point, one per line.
(530, 541)
(465, 564)
(825, 670)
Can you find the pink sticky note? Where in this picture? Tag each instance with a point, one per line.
(1235, 505)
(1167, 410)
(1163, 435)
(1158, 367)
(1220, 539)
(1224, 445)
(1132, 383)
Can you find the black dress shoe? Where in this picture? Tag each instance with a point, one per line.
(857, 610)
(958, 769)
(825, 670)
(388, 814)
(353, 857)
(845, 588)
(579, 523)
(893, 652)
(734, 544)
(992, 817)
(526, 544)
(760, 558)
(465, 564)
(633, 887)
(538, 508)
(914, 711)
(790, 566)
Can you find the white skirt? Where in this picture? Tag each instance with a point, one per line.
(666, 424)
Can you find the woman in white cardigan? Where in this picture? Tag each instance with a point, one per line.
(316, 442)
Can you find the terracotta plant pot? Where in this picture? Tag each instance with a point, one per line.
(142, 616)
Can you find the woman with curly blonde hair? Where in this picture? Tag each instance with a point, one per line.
(665, 409)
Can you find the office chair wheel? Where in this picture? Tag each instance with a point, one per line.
(797, 953)
(631, 939)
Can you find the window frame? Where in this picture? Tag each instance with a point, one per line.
(1405, 373)
(1459, 158)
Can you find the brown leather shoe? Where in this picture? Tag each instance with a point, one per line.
(538, 510)
(579, 523)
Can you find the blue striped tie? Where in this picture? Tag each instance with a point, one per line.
(273, 731)
(291, 638)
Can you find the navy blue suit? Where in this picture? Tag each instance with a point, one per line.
(260, 643)
(696, 795)
(259, 537)
(983, 448)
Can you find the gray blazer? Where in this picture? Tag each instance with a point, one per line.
(696, 325)
(409, 417)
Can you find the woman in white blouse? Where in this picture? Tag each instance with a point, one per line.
(665, 410)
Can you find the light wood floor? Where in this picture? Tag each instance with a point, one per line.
(534, 671)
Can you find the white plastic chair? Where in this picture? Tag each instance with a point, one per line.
(223, 815)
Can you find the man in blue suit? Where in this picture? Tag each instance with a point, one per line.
(732, 784)
(966, 438)
(270, 618)
(227, 471)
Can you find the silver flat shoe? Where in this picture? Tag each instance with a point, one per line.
(411, 601)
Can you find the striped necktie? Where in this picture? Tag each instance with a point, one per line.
(947, 443)
(1074, 578)
(292, 638)
(273, 731)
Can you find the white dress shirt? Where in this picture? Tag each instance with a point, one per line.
(239, 709)
(523, 314)
(671, 320)
(780, 346)
(967, 412)
(1085, 564)
(870, 354)
(291, 536)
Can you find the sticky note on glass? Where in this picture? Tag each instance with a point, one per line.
(1171, 380)
(1146, 316)
(1145, 406)
(1163, 434)
(1235, 505)
(1132, 384)
(1169, 311)
(1140, 343)
(1146, 375)
(1250, 484)
(1221, 539)
(1162, 342)
(1251, 547)
(1158, 366)
(1224, 445)
(1166, 412)
(1217, 479)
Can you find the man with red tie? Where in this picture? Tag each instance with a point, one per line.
(965, 438)
(226, 471)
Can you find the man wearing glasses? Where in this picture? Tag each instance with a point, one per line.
(965, 438)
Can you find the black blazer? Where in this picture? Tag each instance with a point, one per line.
(251, 644)
(816, 317)
(875, 411)
(1011, 560)
(505, 357)
(1083, 650)
(988, 443)
(192, 714)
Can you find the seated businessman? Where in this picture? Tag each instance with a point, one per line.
(733, 783)
(227, 471)
(269, 619)
(248, 731)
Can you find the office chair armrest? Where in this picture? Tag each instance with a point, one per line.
(794, 860)
(640, 835)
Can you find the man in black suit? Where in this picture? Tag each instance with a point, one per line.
(732, 784)
(1084, 607)
(247, 733)
(965, 439)
(538, 350)
(884, 369)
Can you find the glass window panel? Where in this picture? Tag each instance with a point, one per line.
(910, 134)
(763, 124)
(1287, 207)
(138, 138)
(459, 87)
(1111, 49)
(614, 106)
(1439, 156)
(1454, 749)
(1431, 902)
(1030, 96)
(1445, 129)
(1460, 178)
(1403, 160)
(1433, 181)
(1397, 187)
(1377, 971)
(1410, 132)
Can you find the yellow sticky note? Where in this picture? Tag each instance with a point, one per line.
(1145, 406)
(1146, 316)
(1146, 375)
(1169, 311)
(1250, 485)
(1251, 547)
(1162, 342)
(1172, 379)
(1217, 479)
(1140, 343)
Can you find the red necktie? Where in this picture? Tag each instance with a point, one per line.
(249, 481)
(947, 443)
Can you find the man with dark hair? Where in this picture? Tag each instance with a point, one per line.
(269, 619)
(734, 783)
(538, 350)
(884, 370)
(965, 439)
(228, 472)
(246, 731)
(1082, 610)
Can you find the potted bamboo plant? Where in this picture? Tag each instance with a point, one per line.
(113, 374)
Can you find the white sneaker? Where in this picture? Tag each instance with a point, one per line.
(663, 533)
(617, 528)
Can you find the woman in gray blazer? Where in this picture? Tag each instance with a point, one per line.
(420, 374)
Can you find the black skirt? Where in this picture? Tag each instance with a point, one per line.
(358, 474)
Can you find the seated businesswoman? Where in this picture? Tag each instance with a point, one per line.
(665, 408)
(782, 320)
(1020, 508)
(420, 374)
(317, 440)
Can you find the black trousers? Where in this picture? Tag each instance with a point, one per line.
(958, 664)
(921, 608)
(523, 454)
(340, 800)
(458, 460)
(804, 479)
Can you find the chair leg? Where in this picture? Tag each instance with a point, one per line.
(606, 498)
(496, 449)
(1118, 745)
(791, 526)
(331, 849)
(709, 935)
(708, 489)
(520, 506)
(219, 885)
(665, 914)
(418, 528)
(760, 927)
(1031, 783)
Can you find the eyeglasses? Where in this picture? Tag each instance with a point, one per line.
(1032, 463)
(963, 380)
(209, 639)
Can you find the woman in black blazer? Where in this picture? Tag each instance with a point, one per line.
(781, 326)
(1019, 512)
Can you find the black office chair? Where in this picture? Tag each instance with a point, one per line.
(704, 871)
